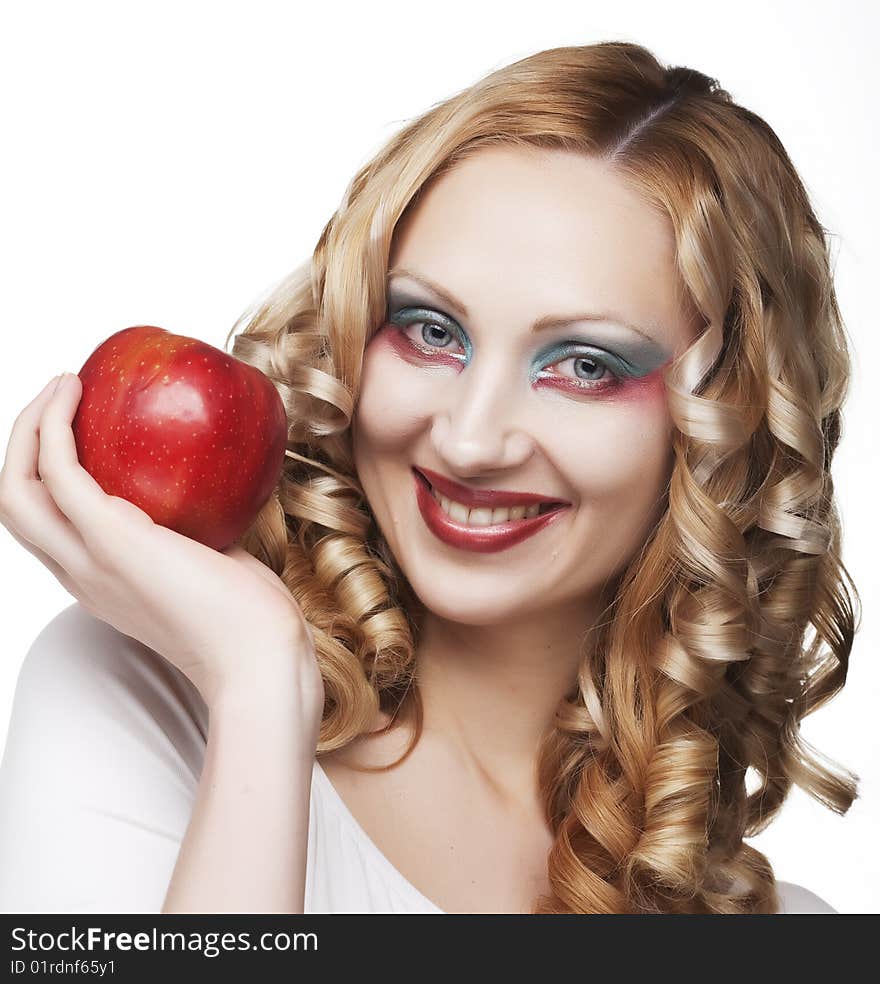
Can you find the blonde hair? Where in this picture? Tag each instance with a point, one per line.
(705, 663)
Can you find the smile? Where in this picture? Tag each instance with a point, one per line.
(481, 529)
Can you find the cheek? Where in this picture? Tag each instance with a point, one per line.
(620, 471)
(648, 393)
(623, 444)
(394, 396)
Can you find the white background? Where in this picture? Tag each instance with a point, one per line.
(166, 163)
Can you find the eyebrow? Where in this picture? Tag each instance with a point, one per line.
(542, 324)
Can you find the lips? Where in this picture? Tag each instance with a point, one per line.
(479, 539)
(475, 498)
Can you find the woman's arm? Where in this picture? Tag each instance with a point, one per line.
(246, 844)
(221, 619)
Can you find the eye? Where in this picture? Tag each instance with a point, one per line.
(591, 370)
(432, 334)
(428, 333)
(588, 369)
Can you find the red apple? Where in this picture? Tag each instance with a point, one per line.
(192, 436)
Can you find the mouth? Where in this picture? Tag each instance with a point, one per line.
(483, 528)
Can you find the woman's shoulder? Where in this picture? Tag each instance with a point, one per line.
(795, 899)
(82, 671)
(100, 767)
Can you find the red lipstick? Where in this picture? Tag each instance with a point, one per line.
(487, 498)
(479, 539)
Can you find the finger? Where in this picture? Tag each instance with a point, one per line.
(28, 509)
(31, 516)
(21, 451)
(75, 492)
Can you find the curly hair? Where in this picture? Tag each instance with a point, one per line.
(736, 618)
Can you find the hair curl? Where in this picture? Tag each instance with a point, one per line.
(704, 665)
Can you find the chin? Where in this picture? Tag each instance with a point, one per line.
(474, 607)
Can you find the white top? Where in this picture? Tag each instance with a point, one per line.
(99, 777)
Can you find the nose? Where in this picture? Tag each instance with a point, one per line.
(481, 427)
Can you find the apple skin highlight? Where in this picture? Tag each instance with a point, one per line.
(189, 434)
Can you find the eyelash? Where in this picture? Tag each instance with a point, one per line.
(582, 384)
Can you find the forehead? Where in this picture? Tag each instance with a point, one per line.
(546, 231)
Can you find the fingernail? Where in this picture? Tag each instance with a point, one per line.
(60, 381)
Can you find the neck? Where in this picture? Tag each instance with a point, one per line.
(490, 692)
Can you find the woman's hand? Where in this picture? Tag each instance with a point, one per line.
(221, 617)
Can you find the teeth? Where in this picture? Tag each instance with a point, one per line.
(481, 517)
(456, 511)
(484, 516)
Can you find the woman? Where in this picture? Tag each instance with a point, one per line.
(564, 378)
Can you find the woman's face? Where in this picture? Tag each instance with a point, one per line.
(533, 366)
